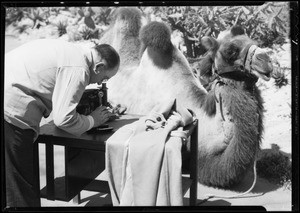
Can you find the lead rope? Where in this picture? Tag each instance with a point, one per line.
(220, 98)
(239, 195)
(221, 107)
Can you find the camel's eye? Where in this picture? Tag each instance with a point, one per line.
(230, 52)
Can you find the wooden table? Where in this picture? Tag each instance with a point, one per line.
(85, 160)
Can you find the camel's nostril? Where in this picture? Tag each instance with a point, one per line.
(263, 56)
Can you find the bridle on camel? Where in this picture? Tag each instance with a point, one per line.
(237, 74)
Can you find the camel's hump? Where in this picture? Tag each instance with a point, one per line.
(156, 37)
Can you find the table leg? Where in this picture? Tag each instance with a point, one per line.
(77, 199)
(68, 156)
(194, 167)
(50, 171)
(36, 169)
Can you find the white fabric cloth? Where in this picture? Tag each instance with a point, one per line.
(144, 165)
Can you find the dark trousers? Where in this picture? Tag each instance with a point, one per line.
(21, 189)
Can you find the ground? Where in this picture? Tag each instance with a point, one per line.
(277, 131)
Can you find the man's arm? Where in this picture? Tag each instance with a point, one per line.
(69, 87)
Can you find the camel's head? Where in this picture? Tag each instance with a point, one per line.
(236, 56)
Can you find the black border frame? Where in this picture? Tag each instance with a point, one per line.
(294, 35)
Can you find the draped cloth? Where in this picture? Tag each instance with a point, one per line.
(143, 160)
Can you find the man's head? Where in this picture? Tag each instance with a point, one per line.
(106, 63)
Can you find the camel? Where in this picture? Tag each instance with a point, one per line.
(230, 115)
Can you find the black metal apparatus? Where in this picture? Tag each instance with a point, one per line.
(91, 99)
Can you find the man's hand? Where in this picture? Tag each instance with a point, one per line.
(101, 115)
(120, 110)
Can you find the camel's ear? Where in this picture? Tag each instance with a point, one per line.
(209, 42)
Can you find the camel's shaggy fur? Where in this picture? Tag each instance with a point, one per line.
(245, 113)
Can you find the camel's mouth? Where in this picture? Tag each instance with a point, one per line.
(262, 69)
(264, 76)
(261, 65)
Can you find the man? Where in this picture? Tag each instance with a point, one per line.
(44, 76)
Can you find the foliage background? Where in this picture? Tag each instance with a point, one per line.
(268, 23)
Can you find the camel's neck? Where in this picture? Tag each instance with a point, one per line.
(196, 96)
(234, 96)
(230, 114)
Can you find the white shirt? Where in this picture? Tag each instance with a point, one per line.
(47, 75)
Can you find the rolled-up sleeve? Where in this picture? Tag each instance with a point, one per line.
(69, 87)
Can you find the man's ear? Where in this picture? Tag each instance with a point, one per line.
(99, 67)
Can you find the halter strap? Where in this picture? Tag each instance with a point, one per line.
(237, 72)
(248, 60)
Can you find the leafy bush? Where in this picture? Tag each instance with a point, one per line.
(278, 73)
(61, 28)
(268, 24)
(280, 77)
(14, 15)
(79, 23)
(88, 33)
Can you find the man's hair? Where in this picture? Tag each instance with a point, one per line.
(108, 53)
